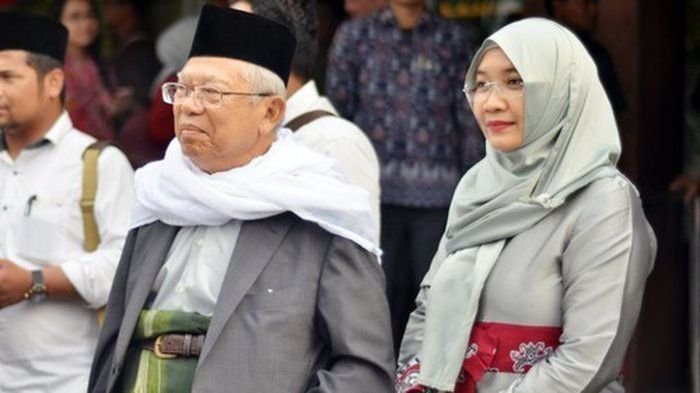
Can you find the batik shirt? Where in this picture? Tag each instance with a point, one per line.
(403, 88)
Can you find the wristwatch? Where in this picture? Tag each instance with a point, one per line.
(37, 292)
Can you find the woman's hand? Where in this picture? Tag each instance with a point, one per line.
(687, 185)
(122, 101)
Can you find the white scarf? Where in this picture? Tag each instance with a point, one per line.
(288, 177)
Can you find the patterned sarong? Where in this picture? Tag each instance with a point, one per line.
(143, 371)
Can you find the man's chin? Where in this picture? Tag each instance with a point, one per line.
(7, 126)
(190, 151)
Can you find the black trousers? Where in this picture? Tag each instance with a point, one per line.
(409, 238)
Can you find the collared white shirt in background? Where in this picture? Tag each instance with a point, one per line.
(337, 138)
(48, 346)
(193, 273)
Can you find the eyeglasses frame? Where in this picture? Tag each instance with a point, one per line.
(193, 91)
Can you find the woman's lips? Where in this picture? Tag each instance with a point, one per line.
(498, 125)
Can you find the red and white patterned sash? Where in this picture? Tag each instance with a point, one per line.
(493, 347)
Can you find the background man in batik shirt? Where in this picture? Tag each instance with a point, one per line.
(393, 74)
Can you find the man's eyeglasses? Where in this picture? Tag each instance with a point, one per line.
(481, 91)
(209, 97)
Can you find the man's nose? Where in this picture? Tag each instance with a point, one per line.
(191, 104)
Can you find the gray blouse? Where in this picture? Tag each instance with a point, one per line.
(582, 268)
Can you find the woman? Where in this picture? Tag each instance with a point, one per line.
(538, 280)
(87, 100)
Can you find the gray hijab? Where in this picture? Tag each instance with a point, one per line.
(570, 140)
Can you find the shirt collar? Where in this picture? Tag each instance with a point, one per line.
(386, 16)
(301, 101)
(57, 131)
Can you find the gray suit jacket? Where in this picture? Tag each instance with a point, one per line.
(300, 310)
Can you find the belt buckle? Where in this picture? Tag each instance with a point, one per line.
(158, 353)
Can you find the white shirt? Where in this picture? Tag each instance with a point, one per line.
(337, 138)
(48, 346)
(194, 270)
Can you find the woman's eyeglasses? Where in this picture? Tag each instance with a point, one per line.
(481, 91)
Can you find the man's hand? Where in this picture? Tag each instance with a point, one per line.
(14, 282)
(687, 185)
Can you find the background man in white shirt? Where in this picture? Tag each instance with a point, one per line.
(49, 285)
(311, 116)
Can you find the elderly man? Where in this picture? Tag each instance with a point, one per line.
(250, 267)
(51, 275)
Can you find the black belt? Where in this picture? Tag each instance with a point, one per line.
(169, 346)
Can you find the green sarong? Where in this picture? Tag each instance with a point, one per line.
(144, 372)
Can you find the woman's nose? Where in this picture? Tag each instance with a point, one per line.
(494, 99)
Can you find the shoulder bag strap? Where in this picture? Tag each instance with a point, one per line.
(87, 201)
(306, 118)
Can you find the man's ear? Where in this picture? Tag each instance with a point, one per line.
(53, 83)
(274, 113)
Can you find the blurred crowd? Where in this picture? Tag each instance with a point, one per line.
(114, 95)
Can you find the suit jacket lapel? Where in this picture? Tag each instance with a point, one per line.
(257, 243)
(152, 245)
